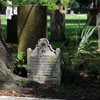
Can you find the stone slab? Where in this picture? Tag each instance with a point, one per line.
(23, 98)
(98, 19)
(44, 63)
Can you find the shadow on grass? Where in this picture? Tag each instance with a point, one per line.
(4, 31)
(76, 21)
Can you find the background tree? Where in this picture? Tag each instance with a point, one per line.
(83, 3)
(73, 4)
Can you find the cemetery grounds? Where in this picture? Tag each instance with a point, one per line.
(80, 70)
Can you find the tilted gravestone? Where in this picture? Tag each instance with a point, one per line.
(44, 63)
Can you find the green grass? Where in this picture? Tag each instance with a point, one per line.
(74, 26)
(73, 23)
(4, 26)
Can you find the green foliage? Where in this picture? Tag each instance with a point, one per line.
(20, 59)
(73, 4)
(73, 56)
(22, 2)
(51, 4)
(84, 3)
(86, 33)
(65, 3)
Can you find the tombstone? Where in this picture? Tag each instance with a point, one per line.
(98, 19)
(57, 26)
(72, 13)
(98, 24)
(91, 14)
(44, 63)
(99, 37)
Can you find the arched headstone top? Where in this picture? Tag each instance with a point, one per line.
(42, 48)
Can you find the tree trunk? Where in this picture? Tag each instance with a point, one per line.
(7, 78)
(57, 26)
(9, 81)
(31, 26)
(6, 82)
(4, 54)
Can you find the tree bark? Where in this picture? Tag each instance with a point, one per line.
(57, 26)
(6, 60)
(8, 80)
(31, 26)
(4, 53)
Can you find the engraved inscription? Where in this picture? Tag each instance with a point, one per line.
(44, 63)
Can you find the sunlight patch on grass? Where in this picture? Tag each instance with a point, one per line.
(76, 16)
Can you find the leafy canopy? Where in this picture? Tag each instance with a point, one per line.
(73, 4)
(51, 4)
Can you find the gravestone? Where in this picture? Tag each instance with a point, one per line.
(98, 19)
(44, 63)
(98, 24)
(99, 37)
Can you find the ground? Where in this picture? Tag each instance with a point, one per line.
(86, 93)
(83, 90)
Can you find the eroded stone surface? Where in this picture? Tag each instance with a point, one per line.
(44, 63)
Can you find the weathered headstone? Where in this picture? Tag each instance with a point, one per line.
(98, 24)
(98, 19)
(44, 63)
(57, 26)
(99, 37)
